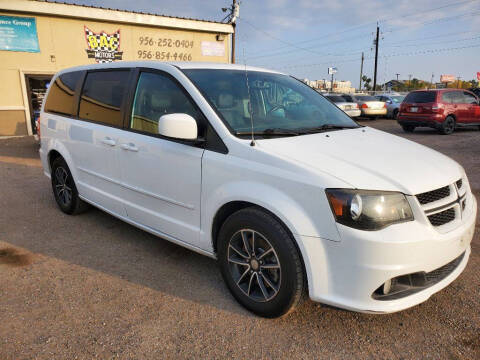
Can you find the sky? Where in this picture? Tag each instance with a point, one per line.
(305, 37)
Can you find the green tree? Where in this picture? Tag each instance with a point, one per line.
(366, 81)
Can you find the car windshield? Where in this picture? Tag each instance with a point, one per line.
(335, 98)
(397, 99)
(365, 98)
(277, 104)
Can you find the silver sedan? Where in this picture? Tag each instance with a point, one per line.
(350, 108)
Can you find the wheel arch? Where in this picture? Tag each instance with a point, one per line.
(234, 206)
(56, 150)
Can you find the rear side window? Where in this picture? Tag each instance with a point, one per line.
(61, 96)
(102, 97)
(157, 95)
(348, 98)
(453, 97)
(469, 98)
(420, 97)
(336, 99)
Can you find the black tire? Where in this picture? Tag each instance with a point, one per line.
(64, 189)
(395, 114)
(408, 128)
(288, 279)
(448, 126)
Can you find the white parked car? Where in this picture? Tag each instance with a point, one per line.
(258, 170)
(350, 108)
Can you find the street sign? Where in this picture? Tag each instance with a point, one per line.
(332, 70)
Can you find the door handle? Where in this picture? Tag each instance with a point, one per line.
(129, 147)
(109, 141)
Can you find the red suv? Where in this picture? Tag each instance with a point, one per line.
(442, 109)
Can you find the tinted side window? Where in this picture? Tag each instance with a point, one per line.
(447, 97)
(157, 95)
(457, 97)
(62, 93)
(102, 97)
(469, 98)
(421, 97)
(348, 98)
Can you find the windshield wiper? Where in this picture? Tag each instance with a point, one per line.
(270, 132)
(325, 127)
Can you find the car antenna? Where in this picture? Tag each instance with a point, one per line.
(252, 143)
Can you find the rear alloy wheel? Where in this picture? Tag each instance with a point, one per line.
(448, 126)
(408, 128)
(260, 263)
(64, 189)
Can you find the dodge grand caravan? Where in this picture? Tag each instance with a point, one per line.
(259, 171)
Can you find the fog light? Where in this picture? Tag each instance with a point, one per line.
(387, 287)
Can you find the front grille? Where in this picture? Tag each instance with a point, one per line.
(459, 184)
(434, 195)
(442, 217)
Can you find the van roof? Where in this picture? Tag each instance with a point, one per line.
(161, 65)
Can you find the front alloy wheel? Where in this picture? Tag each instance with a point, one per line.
(260, 263)
(254, 265)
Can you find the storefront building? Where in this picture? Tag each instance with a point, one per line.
(39, 38)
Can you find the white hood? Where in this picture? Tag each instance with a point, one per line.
(369, 159)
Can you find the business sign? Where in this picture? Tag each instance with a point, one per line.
(212, 48)
(103, 47)
(478, 75)
(447, 78)
(332, 70)
(18, 34)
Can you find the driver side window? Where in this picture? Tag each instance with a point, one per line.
(158, 95)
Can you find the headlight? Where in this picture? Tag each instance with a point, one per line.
(368, 210)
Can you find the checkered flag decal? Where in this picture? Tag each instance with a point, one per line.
(103, 47)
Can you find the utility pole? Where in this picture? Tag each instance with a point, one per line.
(458, 82)
(361, 73)
(397, 81)
(409, 81)
(397, 76)
(376, 58)
(232, 19)
(431, 81)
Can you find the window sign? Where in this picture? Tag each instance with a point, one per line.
(18, 34)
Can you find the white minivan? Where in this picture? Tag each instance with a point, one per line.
(256, 169)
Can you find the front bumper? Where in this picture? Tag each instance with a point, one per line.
(346, 273)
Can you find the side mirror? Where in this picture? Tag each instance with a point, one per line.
(178, 126)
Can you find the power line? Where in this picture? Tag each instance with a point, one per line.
(434, 43)
(289, 44)
(414, 53)
(431, 37)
